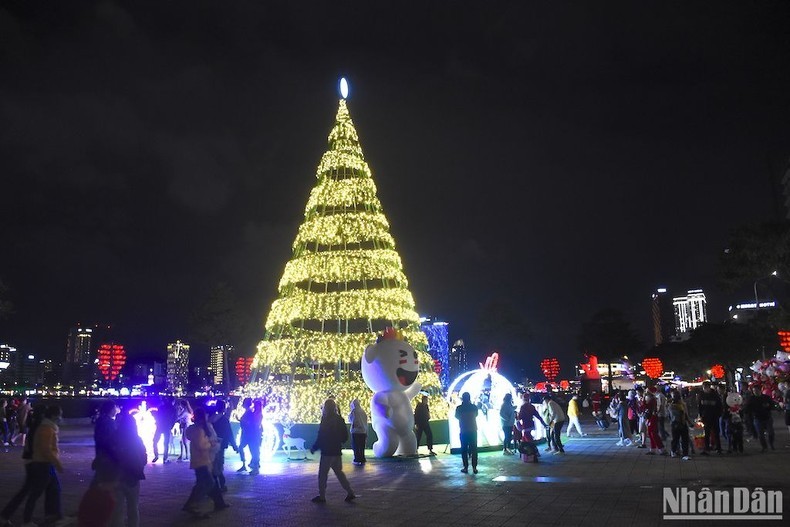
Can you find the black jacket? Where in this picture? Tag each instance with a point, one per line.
(332, 433)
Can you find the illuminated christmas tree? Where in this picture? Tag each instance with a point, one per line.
(343, 285)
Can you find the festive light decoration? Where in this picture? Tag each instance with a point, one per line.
(243, 369)
(590, 368)
(653, 367)
(717, 370)
(112, 358)
(784, 340)
(439, 348)
(344, 282)
(550, 368)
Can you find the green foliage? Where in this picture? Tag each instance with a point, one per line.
(754, 252)
(609, 335)
(730, 344)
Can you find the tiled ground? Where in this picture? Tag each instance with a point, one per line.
(596, 483)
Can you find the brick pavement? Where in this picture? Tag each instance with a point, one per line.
(596, 483)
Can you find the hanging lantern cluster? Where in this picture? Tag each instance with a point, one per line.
(550, 368)
(112, 357)
(653, 367)
(784, 340)
(717, 371)
(244, 369)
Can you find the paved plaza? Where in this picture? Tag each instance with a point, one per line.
(596, 483)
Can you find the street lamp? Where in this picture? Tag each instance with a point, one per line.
(756, 299)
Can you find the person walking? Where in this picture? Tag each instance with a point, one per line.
(183, 418)
(507, 418)
(105, 464)
(759, 407)
(661, 412)
(573, 416)
(44, 469)
(21, 422)
(556, 420)
(35, 417)
(131, 459)
(246, 431)
(255, 436)
(203, 445)
(422, 417)
(710, 409)
(619, 410)
(651, 425)
(222, 428)
(466, 413)
(4, 423)
(332, 433)
(679, 422)
(165, 418)
(358, 419)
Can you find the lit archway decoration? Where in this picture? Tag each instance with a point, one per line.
(717, 371)
(653, 367)
(550, 368)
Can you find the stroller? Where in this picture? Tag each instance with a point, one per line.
(525, 446)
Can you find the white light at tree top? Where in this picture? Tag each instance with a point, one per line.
(344, 88)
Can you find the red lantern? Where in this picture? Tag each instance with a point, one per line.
(653, 367)
(112, 357)
(243, 369)
(784, 340)
(437, 366)
(717, 370)
(550, 368)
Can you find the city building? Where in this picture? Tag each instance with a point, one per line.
(663, 316)
(218, 361)
(177, 366)
(457, 359)
(690, 311)
(438, 347)
(748, 310)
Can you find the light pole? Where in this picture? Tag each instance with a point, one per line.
(757, 302)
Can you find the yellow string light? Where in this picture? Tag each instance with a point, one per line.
(344, 268)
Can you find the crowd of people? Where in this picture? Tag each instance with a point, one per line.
(642, 416)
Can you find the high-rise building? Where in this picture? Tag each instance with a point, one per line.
(690, 311)
(177, 366)
(663, 317)
(7, 356)
(748, 310)
(78, 349)
(217, 361)
(457, 359)
(438, 347)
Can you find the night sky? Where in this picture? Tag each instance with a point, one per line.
(565, 157)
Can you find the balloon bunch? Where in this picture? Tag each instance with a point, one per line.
(772, 372)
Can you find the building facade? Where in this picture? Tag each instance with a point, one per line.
(217, 361)
(177, 366)
(663, 316)
(690, 311)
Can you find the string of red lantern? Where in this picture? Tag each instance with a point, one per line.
(550, 368)
(244, 369)
(112, 358)
(653, 367)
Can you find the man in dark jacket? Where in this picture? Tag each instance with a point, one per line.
(710, 407)
(165, 418)
(759, 407)
(221, 426)
(466, 413)
(105, 464)
(332, 433)
(422, 418)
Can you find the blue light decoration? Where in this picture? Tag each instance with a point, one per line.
(438, 347)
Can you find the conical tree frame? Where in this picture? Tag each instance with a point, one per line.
(342, 286)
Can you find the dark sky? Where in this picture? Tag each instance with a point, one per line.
(564, 156)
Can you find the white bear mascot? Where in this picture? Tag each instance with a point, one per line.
(390, 368)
